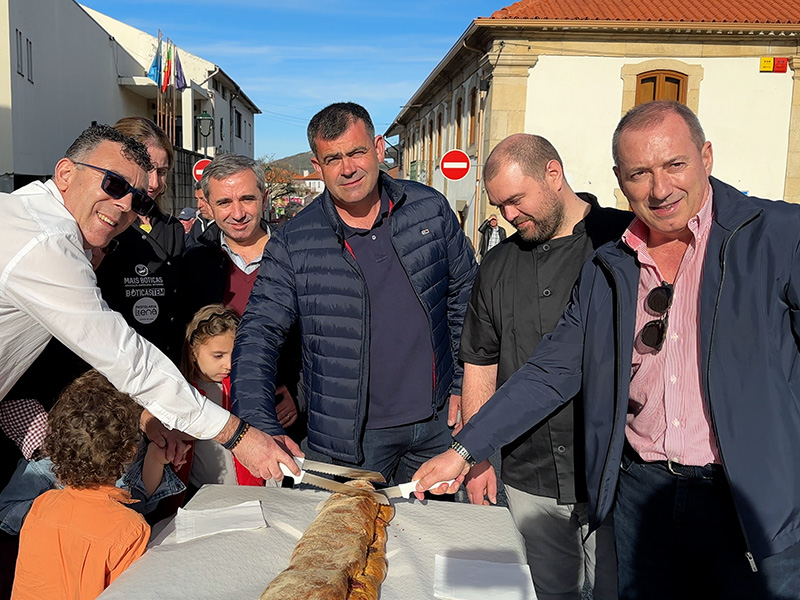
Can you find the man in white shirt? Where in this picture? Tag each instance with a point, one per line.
(47, 288)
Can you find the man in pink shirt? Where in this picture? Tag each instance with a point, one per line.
(684, 337)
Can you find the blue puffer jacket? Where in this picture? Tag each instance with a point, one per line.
(308, 274)
(750, 370)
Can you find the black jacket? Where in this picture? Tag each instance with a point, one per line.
(141, 279)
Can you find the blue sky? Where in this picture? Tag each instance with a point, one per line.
(293, 57)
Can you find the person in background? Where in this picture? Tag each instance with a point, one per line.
(491, 234)
(377, 273)
(187, 217)
(204, 217)
(76, 540)
(520, 293)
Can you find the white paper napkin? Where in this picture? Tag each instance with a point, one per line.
(191, 524)
(461, 579)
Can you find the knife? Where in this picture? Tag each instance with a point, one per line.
(404, 490)
(329, 484)
(349, 472)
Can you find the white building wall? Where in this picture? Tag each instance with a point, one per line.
(74, 82)
(576, 102)
(6, 131)
(746, 116)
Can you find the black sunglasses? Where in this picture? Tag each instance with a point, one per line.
(659, 301)
(116, 186)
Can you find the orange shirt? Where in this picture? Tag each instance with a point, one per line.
(75, 542)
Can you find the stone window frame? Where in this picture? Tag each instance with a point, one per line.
(630, 74)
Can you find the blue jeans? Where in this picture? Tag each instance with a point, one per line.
(678, 536)
(397, 452)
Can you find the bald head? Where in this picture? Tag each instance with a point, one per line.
(531, 152)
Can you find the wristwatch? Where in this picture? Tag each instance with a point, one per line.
(462, 452)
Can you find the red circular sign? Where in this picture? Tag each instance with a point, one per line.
(199, 166)
(455, 165)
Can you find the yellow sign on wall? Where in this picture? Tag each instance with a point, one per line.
(767, 64)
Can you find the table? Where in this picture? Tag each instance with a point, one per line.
(238, 565)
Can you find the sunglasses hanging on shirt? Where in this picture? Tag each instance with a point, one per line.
(659, 300)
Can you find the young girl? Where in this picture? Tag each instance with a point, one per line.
(206, 364)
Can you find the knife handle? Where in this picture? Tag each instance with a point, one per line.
(409, 488)
(287, 473)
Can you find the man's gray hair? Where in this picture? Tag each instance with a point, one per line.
(531, 152)
(94, 135)
(653, 113)
(225, 165)
(333, 120)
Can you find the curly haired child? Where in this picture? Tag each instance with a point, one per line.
(75, 541)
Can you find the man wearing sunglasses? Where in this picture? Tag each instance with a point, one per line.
(683, 338)
(47, 288)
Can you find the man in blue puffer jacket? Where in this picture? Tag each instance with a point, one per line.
(684, 338)
(378, 274)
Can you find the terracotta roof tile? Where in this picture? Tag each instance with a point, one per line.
(706, 11)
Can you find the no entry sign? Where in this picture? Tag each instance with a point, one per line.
(199, 166)
(455, 165)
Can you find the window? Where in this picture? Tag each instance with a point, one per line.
(661, 85)
(439, 135)
(224, 93)
(473, 115)
(30, 60)
(221, 128)
(237, 124)
(20, 65)
(459, 108)
(430, 154)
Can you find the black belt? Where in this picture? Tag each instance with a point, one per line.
(707, 471)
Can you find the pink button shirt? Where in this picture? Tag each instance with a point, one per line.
(667, 416)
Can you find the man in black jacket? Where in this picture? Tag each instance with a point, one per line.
(521, 290)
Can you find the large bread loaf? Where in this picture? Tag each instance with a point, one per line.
(341, 556)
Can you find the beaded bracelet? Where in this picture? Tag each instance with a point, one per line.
(237, 435)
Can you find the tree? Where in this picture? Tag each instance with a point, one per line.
(279, 179)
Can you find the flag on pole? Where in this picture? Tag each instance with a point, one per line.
(167, 69)
(180, 79)
(155, 68)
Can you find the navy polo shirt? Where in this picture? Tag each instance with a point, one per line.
(401, 350)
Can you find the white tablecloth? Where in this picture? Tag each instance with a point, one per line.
(238, 565)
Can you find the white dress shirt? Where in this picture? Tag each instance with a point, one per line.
(48, 288)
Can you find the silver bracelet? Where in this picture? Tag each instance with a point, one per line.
(462, 452)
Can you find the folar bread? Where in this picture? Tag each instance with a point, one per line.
(342, 554)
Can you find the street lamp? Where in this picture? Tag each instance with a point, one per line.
(205, 123)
